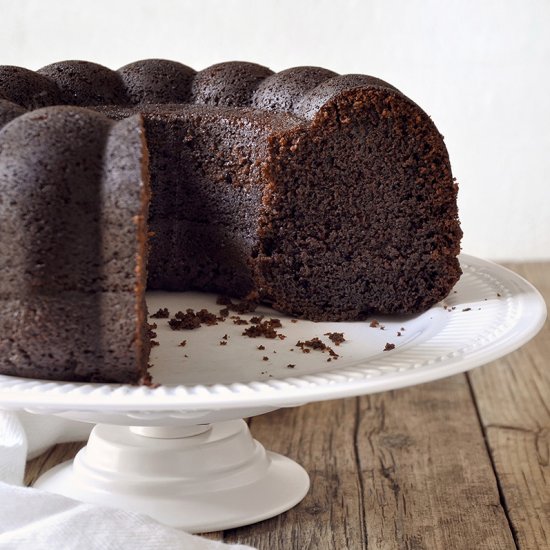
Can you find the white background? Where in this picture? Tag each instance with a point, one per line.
(481, 69)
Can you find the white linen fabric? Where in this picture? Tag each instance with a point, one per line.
(34, 519)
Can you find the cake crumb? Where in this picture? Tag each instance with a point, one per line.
(336, 337)
(389, 347)
(261, 347)
(290, 366)
(191, 320)
(223, 342)
(151, 332)
(262, 328)
(162, 313)
(147, 380)
(207, 318)
(185, 321)
(224, 312)
(183, 343)
(294, 320)
(374, 323)
(316, 344)
(467, 309)
(265, 358)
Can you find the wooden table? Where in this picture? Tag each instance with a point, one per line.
(460, 463)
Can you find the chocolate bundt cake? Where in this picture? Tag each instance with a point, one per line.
(329, 197)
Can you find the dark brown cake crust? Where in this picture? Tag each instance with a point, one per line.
(71, 190)
(27, 88)
(157, 81)
(9, 111)
(329, 197)
(230, 84)
(283, 91)
(85, 83)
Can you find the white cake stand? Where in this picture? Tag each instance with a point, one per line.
(181, 453)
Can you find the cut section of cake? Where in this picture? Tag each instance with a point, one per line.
(327, 197)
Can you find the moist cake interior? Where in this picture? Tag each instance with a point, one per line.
(210, 184)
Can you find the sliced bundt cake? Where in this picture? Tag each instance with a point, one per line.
(328, 197)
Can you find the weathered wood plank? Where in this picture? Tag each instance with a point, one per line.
(405, 469)
(428, 481)
(513, 399)
(52, 457)
(321, 437)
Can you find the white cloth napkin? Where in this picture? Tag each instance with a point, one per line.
(34, 519)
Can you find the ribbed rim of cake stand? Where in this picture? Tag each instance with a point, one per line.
(521, 314)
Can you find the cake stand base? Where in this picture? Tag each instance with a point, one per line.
(199, 478)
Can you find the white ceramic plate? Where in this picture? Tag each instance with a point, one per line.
(491, 312)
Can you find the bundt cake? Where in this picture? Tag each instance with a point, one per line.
(329, 197)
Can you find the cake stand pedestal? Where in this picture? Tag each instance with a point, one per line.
(199, 478)
(181, 452)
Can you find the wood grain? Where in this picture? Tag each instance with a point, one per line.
(404, 469)
(427, 478)
(460, 463)
(52, 457)
(513, 399)
(321, 437)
